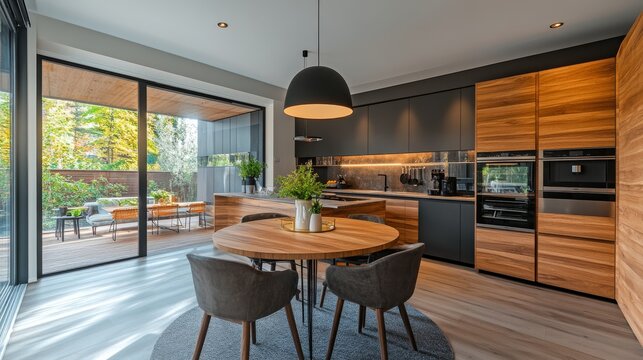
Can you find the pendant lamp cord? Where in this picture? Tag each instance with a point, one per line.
(318, 48)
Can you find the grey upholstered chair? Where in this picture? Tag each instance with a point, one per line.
(259, 262)
(353, 260)
(236, 292)
(380, 285)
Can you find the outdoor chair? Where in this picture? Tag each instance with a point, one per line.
(197, 208)
(122, 215)
(164, 212)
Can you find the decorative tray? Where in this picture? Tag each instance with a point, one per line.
(288, 224)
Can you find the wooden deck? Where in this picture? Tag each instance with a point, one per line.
(100, 248)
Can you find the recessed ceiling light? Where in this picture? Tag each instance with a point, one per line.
(222, 24)
(556, 25)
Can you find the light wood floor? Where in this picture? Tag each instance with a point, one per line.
(91, 249)
(117, 311)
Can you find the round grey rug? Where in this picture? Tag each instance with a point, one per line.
(223, 340)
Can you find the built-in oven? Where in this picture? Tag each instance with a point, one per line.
(578, 182)
(505, 190)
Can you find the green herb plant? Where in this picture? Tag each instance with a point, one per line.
(250, 168)
(301, 184)
(316, 206)
(160, 194)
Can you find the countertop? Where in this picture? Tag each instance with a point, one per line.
(331, 204)
(397, 194)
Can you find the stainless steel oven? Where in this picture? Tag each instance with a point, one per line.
(505, 190)
(578, 181)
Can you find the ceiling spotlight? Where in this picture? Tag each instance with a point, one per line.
(222, 24)
(556, 25)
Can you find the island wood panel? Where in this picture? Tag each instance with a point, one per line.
(577, 264)
(505, 252)
(577, 106)
(592, 227)
(228, 210)
(506, 114)
(403, 215)
(629, 235)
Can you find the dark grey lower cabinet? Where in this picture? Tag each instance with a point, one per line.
(446, 227)
(467, 233)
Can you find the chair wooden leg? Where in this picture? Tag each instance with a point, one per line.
(253, 332)
(245, 340)
(323, 295)
(407, 325)
(293, 331)
(361, 321)
(381, 330)
(333, 333)
(205, 323)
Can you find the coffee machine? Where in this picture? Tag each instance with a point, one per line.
(437, 178)
(449, 186)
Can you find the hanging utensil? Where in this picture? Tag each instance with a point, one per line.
(404, 178)
(414, 181)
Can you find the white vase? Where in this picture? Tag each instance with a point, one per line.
(302, 214)
(315, 223)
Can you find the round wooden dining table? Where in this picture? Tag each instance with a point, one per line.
(266, 240)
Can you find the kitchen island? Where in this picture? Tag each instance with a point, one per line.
(229, 208)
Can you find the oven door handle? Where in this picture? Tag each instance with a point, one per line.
(505, 159)
(508, 195)
(509, 228)
(579, 158)
(578, 190)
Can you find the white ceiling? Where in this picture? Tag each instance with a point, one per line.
(372, 43)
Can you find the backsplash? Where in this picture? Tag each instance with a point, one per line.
(361, 172)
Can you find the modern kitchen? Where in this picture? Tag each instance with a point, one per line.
(321, 179)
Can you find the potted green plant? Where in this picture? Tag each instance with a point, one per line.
(303, 185)
(249, 170)
(315, 216)
(161, 196)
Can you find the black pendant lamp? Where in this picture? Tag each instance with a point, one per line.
(307, 138)
(318, 92)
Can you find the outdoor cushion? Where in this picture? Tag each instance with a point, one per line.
(99, 219)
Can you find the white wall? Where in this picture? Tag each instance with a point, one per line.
(69, 42)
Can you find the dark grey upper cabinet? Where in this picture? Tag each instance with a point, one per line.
(468, 118)
(344, 136)
(435, 122)
(467, 230)
(388, 127)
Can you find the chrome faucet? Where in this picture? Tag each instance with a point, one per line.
(385, 181)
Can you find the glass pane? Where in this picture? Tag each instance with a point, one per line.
(6, 116)
(510, 177)
(193, 143)
(89, 167)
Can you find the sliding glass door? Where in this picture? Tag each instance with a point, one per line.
(89, 167)
(6, 146)
(101, 134)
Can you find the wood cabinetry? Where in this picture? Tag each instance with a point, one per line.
(506, 114)
(577, 264)
(505, 252)
(345, 136)
(591, 227)
(388, 127)
(577, 106)
(403, 216)
(629, 254)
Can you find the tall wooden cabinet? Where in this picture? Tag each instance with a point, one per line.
(577, 106)
(506, 114)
